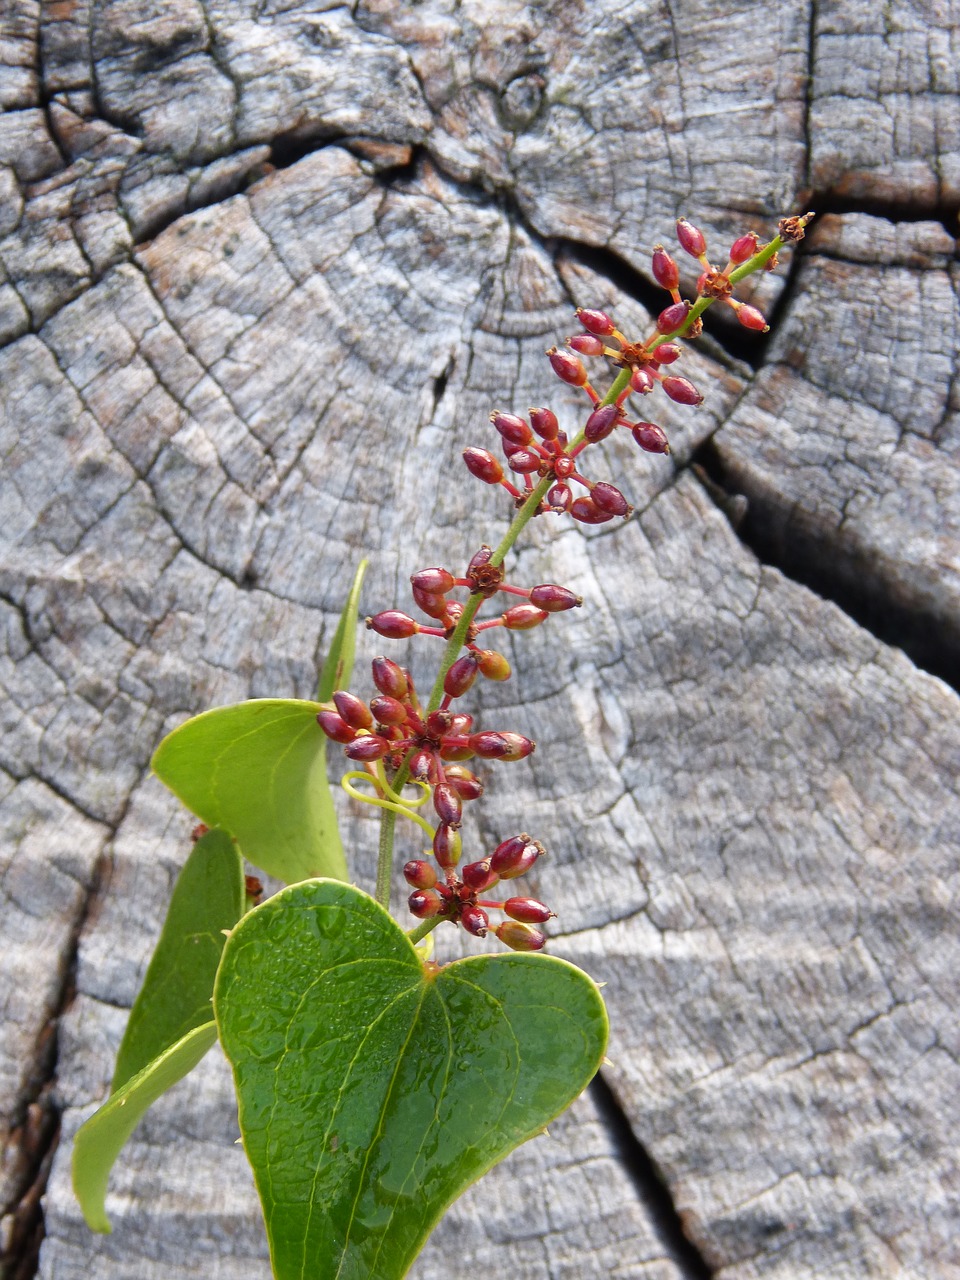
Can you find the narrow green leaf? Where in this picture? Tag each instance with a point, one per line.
(373, 1088)
(338, 664)
(175, 997)
(100, 1140)
(258, 769)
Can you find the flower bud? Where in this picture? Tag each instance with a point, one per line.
(492, 665)
(597, 322)
(490, 745)
(665, 270)
(421, 875)
(437, 581)
(335, 727)
(425, 903)
(393, 624)
(483, 465)
(555, 599)
(609, 498)
(544, 423)
(390, 678)
(564, 467)
(587, 512)
(466, 784)
(650, 437)
(743, 248)
(478, 876)
(691, 238)
(520, 937)
(512, 428)
(523, 617)
(672, 317)
(434, 606)
(601, 422)
(511, 852)
(527, 909)
(567, 367)
(524, 461)
(666, 353)
(586, 344)
(682, 391)
(560, 497)
(447, 845)
(461, 675)
(475, 920)
(641, 380)
(353, 710)
(388, 710)
(751, 318)
(369, 747)
(446, 804)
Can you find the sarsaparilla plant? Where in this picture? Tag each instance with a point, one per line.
(374, 1083)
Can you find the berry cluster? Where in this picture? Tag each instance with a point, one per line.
(429, 743)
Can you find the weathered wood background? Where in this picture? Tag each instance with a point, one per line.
(264, 269)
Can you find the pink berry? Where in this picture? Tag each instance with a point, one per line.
(335, 727)
(419, 874)
(483, 465)
(597, 322)
(479, 876)
(369, 747)
(388, 710)
(475, 920)
(553, 598)
(544, 423)
(641, 380)
(691, 238)
(393, 624)
(751, 318)
(461, 675)
(512, 428)
(609, 498)
(501, 746)
(601, 422)
(586, 344)
(671, 318)
(424, 903)
(682, 391)
(587, 512)
(744, 247)
(390, 678)
(529, 910)
(650, 437)
(665, 270)
(567, 367)
(520, 937)
(523, 617)
(437, 581)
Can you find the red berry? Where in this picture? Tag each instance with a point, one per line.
(642, 380)
(353, 710)
(523, 617)
(447, 845)
(335, 727)
(650, 437)
(601, 422)
(524, 461)
(744, 247)
(422, 765)
(447, 804)
(691, 238)
(560, 497)
(483, 465)
(493, 665)
(564, 467)
(419, 874)
(390, 678)
(388, 710)
(512, 428)
(586, 344)
(544, 423)
(437, 581)
(461, 675)
(597, 322)
(501, 746)
(567, 367)
(666, 353)
(424, 903)
(672, 317)
(393, 624)
(466, 784)
(434, 606)
(682, 391)
(554, 599)
(475, 920)
(587, 512)
(609, 498)
(369, 747)
(665, 270)
(751, 318)
(513, 852)
(528, 910)
(479, 559)
(478, 876)
(520, 937)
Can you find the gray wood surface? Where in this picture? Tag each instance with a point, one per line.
(264, 270)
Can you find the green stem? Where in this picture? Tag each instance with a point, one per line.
(427, 926)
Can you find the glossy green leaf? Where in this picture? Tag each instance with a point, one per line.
(338, 665)
(258, 769)
(175, 997)
(373, 1089)
(99, 1141)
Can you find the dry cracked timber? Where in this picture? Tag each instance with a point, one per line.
(263, 272)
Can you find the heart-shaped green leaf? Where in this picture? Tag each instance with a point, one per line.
(258, 769)
(175, 997)
(374, 1089)
(100, 1140)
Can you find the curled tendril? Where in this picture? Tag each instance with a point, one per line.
(391, 801)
